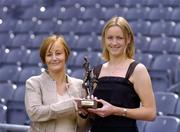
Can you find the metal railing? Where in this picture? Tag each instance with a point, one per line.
(13, 127)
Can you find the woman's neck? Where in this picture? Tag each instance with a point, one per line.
(58, 76)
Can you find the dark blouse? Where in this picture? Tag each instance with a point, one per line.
(120, 92)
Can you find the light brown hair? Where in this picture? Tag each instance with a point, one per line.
(127, 32)
(49, 41)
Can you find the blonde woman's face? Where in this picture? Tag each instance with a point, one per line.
(55, 57)
(115, 41)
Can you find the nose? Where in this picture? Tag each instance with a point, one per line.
(114, 41)
(54, 56)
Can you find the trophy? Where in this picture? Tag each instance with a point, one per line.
(89, 83)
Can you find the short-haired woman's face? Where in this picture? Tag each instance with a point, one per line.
(115, 41)
(55, 57)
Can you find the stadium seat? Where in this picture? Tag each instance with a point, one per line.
(20, 41)
(84, 43)
(161, 45)
(16, 57)
(144, 58)
(177, 110)
(9, 73)
(142, 43)
(66, 27)
(170, 3)
(176, 30)
(7, 25)
(166, 102)
(92, 13)
(34, 59)
(176, 49)
(6, 92)
(28, 72)
(111, 12)
(69, 13)
(163, 124)
(141, 125)
(129, 3)
(24, 27)
(159, 29)
(151, 3)
(175, 14)
(162, 71)
(16, 109)
(44, 27)
(78, 73)
(3, 109)
(156, 14)
(133, 14)
(34, 42)
(94, 59)
(49, 14)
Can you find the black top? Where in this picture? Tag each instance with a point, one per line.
(120, 92)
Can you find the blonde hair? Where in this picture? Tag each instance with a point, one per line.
(49, 41)
(127, 32)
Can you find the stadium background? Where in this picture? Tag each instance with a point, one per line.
(24, 23)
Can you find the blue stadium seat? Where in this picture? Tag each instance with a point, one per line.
(161, 45)
(170, 3)
(107, 3)
(16, 57)
(176, 30)
(28, 72)
(49, 14)
(134, 14)
(93, 57)
(163, 124)
(29, 13)
(34, 42)
(156, 14)
(44, 27)
(84, 43)
(66, 27)
(141, 43)
(69, 13)
(24, 27)
(177, 110)
(3, 109)
(110, 12)
(4, 38)
(144, 58)
(151, 3)
(78, 73)
(6, 92)
(141, 125)
(159, 29)
(162, 71)
(176, 49)
(92, 13)
(34, 59)
(175, 88)
(88, 27)
(7, 25)
(20, 41)
(166, 102)
(140, 27)
(129, 3)
(10, 73)
(175, 14)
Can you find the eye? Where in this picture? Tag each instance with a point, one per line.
(49, 54)
(58, 53)
(110, 37)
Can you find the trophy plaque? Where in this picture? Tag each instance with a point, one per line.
(89, 83)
